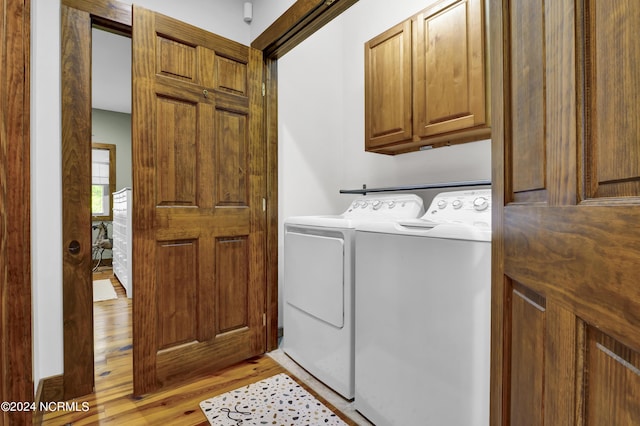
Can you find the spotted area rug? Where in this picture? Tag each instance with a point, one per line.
(278, 400)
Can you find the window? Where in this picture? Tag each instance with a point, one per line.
(103, 180)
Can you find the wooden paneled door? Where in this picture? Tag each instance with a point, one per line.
(566, 265)
(198, 197)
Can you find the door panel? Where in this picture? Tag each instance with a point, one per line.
(178, 279)
(232, 254)
(612, 125)
(231, 159)
(612, 366)
(527, 357)
(566, 301)
(176, 152)
(198, 238)
(528, 98)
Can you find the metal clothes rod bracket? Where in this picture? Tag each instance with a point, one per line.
(366, 190)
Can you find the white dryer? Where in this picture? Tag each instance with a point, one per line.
(423, 315)
(319, 285)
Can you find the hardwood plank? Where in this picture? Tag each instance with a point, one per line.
(15, 207)
(500, 285)
(76, 214)
(110, 10)
(271, 179)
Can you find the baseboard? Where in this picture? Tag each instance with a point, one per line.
(50, 389)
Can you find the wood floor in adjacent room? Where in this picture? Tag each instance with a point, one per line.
(113, 402)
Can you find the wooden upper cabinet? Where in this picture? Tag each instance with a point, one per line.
(435, 96)
(449, 92)
(388, 87)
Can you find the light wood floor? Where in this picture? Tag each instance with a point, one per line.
(113, 402)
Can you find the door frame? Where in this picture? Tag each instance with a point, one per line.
(297, 23)
(16, 347)
(77, 19)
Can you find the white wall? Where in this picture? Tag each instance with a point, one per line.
(224, 17)
(265, 12)
(321, 121)
(46, 193)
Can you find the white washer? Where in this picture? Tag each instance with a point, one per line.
(318, 285)
(423, 298)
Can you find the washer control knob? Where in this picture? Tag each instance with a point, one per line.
(480, 203)
(364, 204)
(392, 204)
(376, 204)
(457, 204)
(442, 204)
(356, 204)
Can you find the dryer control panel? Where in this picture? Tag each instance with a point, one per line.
(470, 207)
(397, 206)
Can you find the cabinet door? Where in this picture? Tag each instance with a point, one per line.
(449, 92)
(388, 87)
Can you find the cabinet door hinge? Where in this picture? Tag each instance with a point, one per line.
(264, 319)
(264, 89)
(264, 204)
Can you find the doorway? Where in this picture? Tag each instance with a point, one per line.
(77, 22)
(77, 19)
(76, 131)
(111, 187)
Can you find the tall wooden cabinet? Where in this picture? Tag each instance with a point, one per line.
(122, 246)
(425, 80)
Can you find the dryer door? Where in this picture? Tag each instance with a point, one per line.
(314, 273)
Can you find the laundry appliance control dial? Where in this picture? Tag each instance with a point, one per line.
(480, 203)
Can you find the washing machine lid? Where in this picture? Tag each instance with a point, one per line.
(453, 231)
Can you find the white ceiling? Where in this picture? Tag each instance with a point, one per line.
(111, 72)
